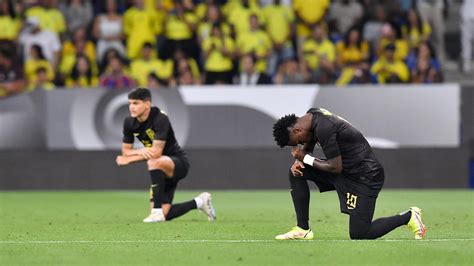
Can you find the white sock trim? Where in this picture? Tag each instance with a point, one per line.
(199, 202)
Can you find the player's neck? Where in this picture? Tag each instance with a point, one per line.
(143, 117)
(305, 121)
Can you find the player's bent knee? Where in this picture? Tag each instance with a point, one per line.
(151, 163)
(357, 235)
(154, 164)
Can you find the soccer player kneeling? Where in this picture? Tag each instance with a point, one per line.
(167, 163)
(350, 168)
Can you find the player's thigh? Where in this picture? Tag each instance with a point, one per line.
(320, 178)
(164, 163)
(359, 206)
(181, 167)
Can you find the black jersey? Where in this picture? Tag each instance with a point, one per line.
(156, 127)
(337, 137)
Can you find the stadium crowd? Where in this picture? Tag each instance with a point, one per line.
(48, 44)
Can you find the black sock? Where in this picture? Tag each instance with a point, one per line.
(362, 230)
(300, 196)
(158, 178)
(180, 209)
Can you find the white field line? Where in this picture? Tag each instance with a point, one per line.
(223, 241)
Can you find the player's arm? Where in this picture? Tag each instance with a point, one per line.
(333, 165)
(128, 150)
(130, 155)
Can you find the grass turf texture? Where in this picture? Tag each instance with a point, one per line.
(96, 228)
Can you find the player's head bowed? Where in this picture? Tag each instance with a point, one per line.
(281, 128)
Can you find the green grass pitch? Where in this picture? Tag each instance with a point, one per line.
(105, 228)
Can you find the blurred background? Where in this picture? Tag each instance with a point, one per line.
(400, 71)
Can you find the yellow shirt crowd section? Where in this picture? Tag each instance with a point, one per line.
(277, 24)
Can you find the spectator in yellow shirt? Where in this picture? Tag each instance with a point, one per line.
(320, 54)
(279, 23)
(389, 68)
(257, 42)
(213, 16)
(82, 75)
(79, 44)
(10, 24)
(416, 29)
(202, 9)
(142, 67)
(308, 14)
(160, 8)
(184, 75)
(140, 26)
(179, 29)
(239, 15)
(43, 81)
(392, 35)
(218, 53)
(178, 58)
(36, 61)
(49, 15)
(352, 58)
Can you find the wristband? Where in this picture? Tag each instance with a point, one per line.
(308, 159)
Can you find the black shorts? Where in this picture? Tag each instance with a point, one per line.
(355, 199)
(181, 168)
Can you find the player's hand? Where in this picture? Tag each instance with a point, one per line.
(298, 153)
(296, 168)
(146, 153)
(122, 160)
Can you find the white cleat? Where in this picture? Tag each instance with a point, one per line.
(155, 216)
(207, 207)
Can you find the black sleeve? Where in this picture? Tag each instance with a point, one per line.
(161, 126)
(127, 132)
(328, 141)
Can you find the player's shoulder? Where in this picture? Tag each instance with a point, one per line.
(158, 112)
(158, 115)
(128, 120)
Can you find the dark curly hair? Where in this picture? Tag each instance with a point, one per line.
(280, 129)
